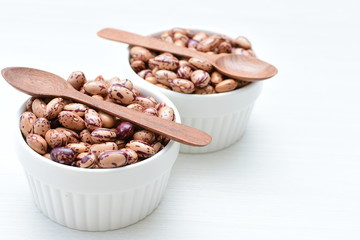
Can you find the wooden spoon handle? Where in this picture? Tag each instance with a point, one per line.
(178, 132)
(148, 42)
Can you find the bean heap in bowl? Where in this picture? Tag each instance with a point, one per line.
(189, 75)
(71, 133)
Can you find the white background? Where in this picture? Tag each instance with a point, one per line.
(296, 172)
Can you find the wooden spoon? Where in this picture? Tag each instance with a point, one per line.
(39, 83)
(232, 65)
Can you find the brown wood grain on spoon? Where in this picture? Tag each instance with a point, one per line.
(40, 83)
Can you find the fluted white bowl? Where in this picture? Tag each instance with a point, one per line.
(222, 115)
(98, 199)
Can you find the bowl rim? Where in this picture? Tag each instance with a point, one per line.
(99, 171)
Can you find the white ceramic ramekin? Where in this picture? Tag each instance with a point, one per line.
(98, 199)
(222, 115)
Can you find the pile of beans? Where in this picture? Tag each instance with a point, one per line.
(71, 133)
(189, 75)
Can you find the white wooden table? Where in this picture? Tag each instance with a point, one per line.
(296, 172)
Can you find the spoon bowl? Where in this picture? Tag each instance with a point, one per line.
(44, 84)
(249, 69)
(246, 68)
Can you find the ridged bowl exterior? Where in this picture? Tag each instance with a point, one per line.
(232, 128)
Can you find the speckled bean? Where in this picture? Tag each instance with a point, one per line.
(166, 62)
(200, 78)
(108, 121)
(72, 137)
(38, 107)
(184, 72)
(101, 135)
(138, 65)
(77, 79)
(41, 126)
(145, 136)
(77, 108)
(166, 113)
(183, 63)
(145, 101)
(101, 147)
(54, 138)
(112, 159)
(180, 43)
(208, 44)
(79, 147)
(145, 73)
(151, 79)
(180, 36)
(37, 143)
(92, 119)
(140, 53)
(27, 121)
(216, 77)
(54, 107)
(132, 156)
(242, 42)
(226, 85)
(136, 107)
(200, 64)
(150, 111)
(182, 85)
(28, 104)
(206, 90)
(127, 83)
(63, 155)
(86, 160)
(163, 76)
(140, 147)
(85, 136)
(224, 47)
(71, 120)
(96, 88)
(121, 94)
(200, 36)
(125, 130)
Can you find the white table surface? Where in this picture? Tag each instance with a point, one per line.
(296, 172)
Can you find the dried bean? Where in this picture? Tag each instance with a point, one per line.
(121, 94)
(112, 159)
(41, 126)
(200, 78)
(101, 135)
(37, 143)
(63, 155)
(38, 107)
(86, 160)
(71, 120)
(226, 85)
(92, 119)
(77, 79)
(27, 121)
(55, 138)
